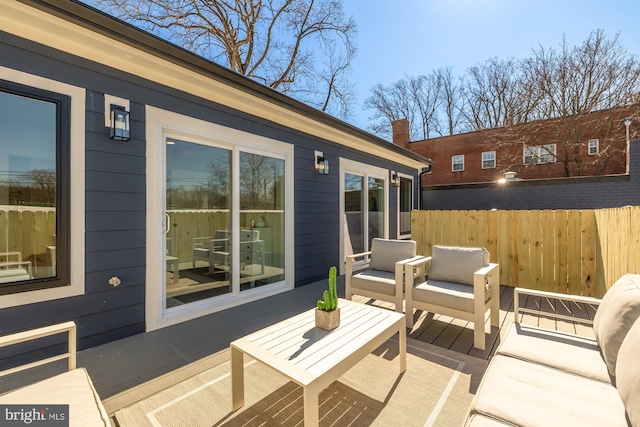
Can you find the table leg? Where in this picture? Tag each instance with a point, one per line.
(237, 379)
(402, 342)
(311, 412)
(176, 271)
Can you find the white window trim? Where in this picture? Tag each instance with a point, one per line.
(597, 146)
(160, 123)
(453, 163)
(357, 168)
(413, 189)
(77, 171)
(540, 153)
(494, 159)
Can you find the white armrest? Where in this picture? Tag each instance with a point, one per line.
(356, 256)
(68, 327)
(554, 295)
(414, 269)
(488, 270)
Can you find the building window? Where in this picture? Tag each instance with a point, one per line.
(34, 189)
(594, 146)
(488, 160)
(457, 163)
(539, 154)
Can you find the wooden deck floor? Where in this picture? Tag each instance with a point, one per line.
(129, 369)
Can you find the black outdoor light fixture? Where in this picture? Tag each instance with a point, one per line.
(395, 179)
(322, 164)
(119, 129)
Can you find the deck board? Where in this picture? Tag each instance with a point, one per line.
(134, 367)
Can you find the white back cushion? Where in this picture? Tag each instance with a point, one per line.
(628, 373)
(457, 264)
(385, 253)
(618, 311)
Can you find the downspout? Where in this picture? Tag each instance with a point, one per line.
(627, 123)
(422, 172)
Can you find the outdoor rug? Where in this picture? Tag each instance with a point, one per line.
(435, 390)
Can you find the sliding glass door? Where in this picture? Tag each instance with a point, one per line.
(214, 244)
(198, 248)
(364, 206)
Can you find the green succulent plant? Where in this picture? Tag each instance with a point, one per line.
(329, 301)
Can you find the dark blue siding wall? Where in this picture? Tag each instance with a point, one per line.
(115, 229)
(115, 194)
(570, 193)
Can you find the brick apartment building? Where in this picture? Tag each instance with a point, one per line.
(584, 145)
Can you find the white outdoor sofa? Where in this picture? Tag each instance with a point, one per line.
(543, 378)
(73, 387)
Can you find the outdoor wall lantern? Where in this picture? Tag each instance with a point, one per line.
(322, 164)
(395, 179)
(508, 176)
(119, 129)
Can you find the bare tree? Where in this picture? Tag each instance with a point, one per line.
(496, 94)
(451, 99)
(43, 186)
(302, 48)
(599, 74)
(416, 99)
(562, 141)
(595, 75)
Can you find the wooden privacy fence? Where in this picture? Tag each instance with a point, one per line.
(579, 252)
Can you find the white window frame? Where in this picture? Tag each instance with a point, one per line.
(77, 177)
(159, 124)
(492, 159)
(413, 189)
(539, 154)
(457, 159)
(591, 144)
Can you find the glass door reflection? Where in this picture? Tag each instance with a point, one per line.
(198, 247)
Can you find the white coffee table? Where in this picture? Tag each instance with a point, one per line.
(312, 357)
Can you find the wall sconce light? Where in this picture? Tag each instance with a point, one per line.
(395, 179)
(322, 164)
(119, 129)
(508, 176)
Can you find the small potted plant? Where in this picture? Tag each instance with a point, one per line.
(327, 311)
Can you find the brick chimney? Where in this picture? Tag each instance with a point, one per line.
(400, 132)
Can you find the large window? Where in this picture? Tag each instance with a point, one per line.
(539, 154)
(34, 188)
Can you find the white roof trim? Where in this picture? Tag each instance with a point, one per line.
(33, 24)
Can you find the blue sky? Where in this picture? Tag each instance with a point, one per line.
(413, 37)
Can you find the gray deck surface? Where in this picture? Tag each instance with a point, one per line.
(132, 363)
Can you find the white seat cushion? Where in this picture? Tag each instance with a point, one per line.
(383, 282)
(445, 294)
(569, 353)
(73, 388)
(533, 395)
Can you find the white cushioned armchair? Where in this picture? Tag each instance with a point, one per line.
(455, 281)
(383, 274)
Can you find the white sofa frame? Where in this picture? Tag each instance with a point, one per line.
(87, 410)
